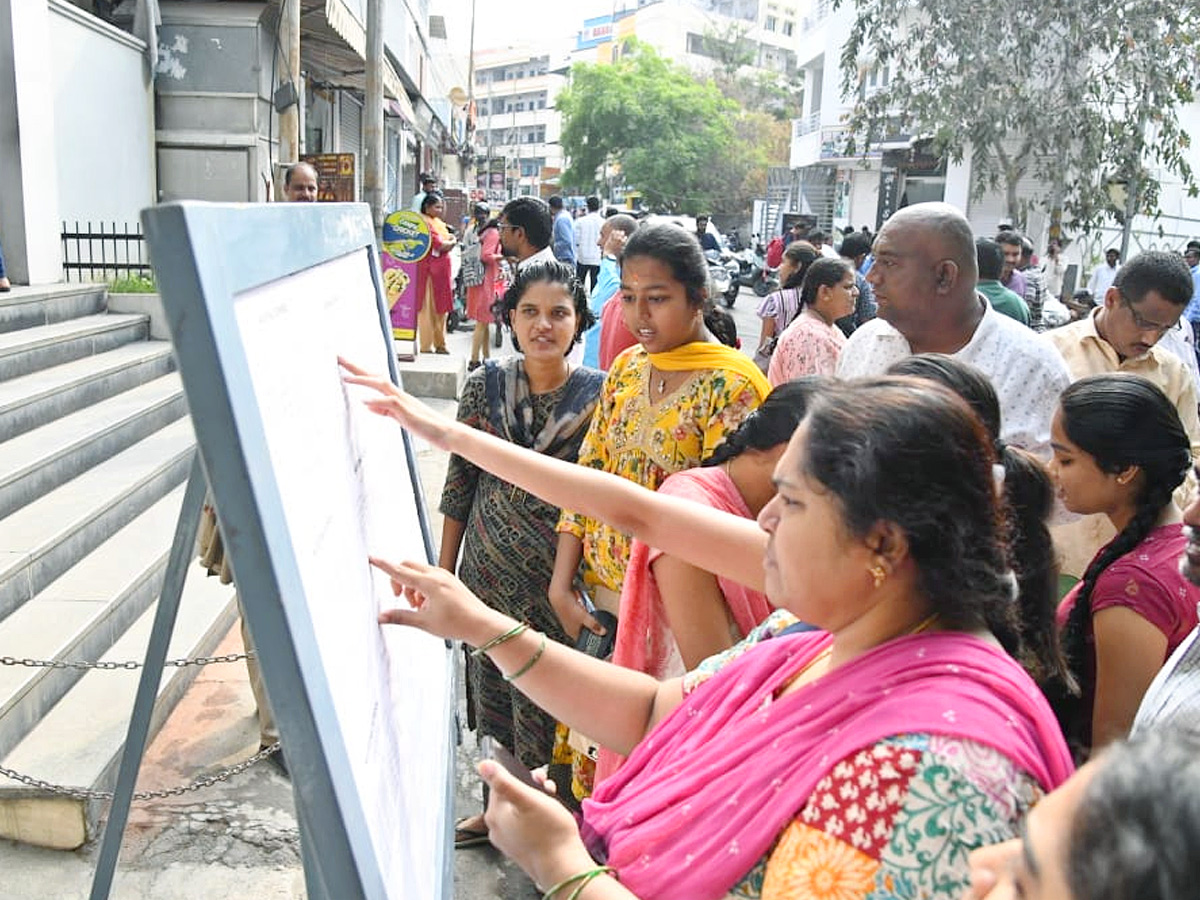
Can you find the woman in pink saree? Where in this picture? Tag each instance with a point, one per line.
(864, 759)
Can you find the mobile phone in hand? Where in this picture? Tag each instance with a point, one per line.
(494, 750)
(598, 645)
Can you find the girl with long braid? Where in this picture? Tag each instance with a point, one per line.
(1027, 499)
(1120, 449)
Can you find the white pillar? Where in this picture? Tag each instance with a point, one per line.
(29, 225)
(958, 183)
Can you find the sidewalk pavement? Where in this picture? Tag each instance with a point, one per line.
(238, 838)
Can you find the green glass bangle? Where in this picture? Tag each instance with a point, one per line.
(588, 879)
(519, 628)
(585, 877)
(537, 654)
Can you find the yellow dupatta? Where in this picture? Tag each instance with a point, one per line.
(707, 355)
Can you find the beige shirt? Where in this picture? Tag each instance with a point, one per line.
(1087, 353)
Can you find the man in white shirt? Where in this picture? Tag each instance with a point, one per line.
(1103, 276)
(924, 282)
(587, 243)
(428, 183)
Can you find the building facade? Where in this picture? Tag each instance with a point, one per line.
(517, 128)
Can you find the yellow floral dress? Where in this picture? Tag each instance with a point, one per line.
(645, 441)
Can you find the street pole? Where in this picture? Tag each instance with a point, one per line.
(516, 136)
(471, 102)
(289, 119)
(373, 171)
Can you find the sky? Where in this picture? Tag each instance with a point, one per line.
(499, 23)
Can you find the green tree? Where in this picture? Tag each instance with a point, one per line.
(1074, 94)
(655, 123)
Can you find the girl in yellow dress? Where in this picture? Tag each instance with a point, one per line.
(666, 404)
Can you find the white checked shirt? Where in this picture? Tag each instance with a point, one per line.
(1027, 372)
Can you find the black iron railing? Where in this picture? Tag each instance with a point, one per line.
(103, 252)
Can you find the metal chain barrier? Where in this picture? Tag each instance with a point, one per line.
(85, 794)
(128, 664)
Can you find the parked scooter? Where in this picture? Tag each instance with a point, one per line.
(754, 272)
(720, 277)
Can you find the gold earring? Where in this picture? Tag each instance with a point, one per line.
(879, 574)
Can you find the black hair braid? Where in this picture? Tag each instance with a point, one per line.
(1028, 498)
(721, 324)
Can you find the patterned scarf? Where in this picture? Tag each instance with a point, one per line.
(704, 795)
(510, 406)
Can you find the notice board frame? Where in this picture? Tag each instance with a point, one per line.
(204, 256)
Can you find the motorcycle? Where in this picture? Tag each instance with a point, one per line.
(720, 277)
(754, 273)
(730, 294)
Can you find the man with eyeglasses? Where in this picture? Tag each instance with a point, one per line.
(1123, 334)
(526, 226)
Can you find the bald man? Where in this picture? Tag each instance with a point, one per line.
(924, 282)
(300, 183)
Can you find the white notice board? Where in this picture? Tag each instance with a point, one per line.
(261, 300)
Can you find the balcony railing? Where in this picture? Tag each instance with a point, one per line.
(806, 125)
(820, 12)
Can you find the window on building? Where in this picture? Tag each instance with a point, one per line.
(788, 27)
(770, 23)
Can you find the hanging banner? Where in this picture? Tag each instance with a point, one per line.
(335, 176)
(406, 241)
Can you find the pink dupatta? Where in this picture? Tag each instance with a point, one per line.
(705, 794)
(644, 639)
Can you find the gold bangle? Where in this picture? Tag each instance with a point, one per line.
(517, 629)
(537, 654)
(585, 876)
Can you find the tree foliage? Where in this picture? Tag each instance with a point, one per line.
(654, 122)
(1075, 94)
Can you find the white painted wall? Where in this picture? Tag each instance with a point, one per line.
(103, 108)
(28, 189)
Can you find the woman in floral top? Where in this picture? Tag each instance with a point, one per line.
(811, 344)
(862, 760)
(665, 406)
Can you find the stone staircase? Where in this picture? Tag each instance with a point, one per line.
(95, 447)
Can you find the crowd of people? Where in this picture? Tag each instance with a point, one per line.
(877, 590)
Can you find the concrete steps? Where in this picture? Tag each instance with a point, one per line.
(79, 742)
(28, 350)
(35, 462)
(40, 397)
(80, 614)
(31, 307)
(95, 445)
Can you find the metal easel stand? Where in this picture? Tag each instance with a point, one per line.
(182, 552)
